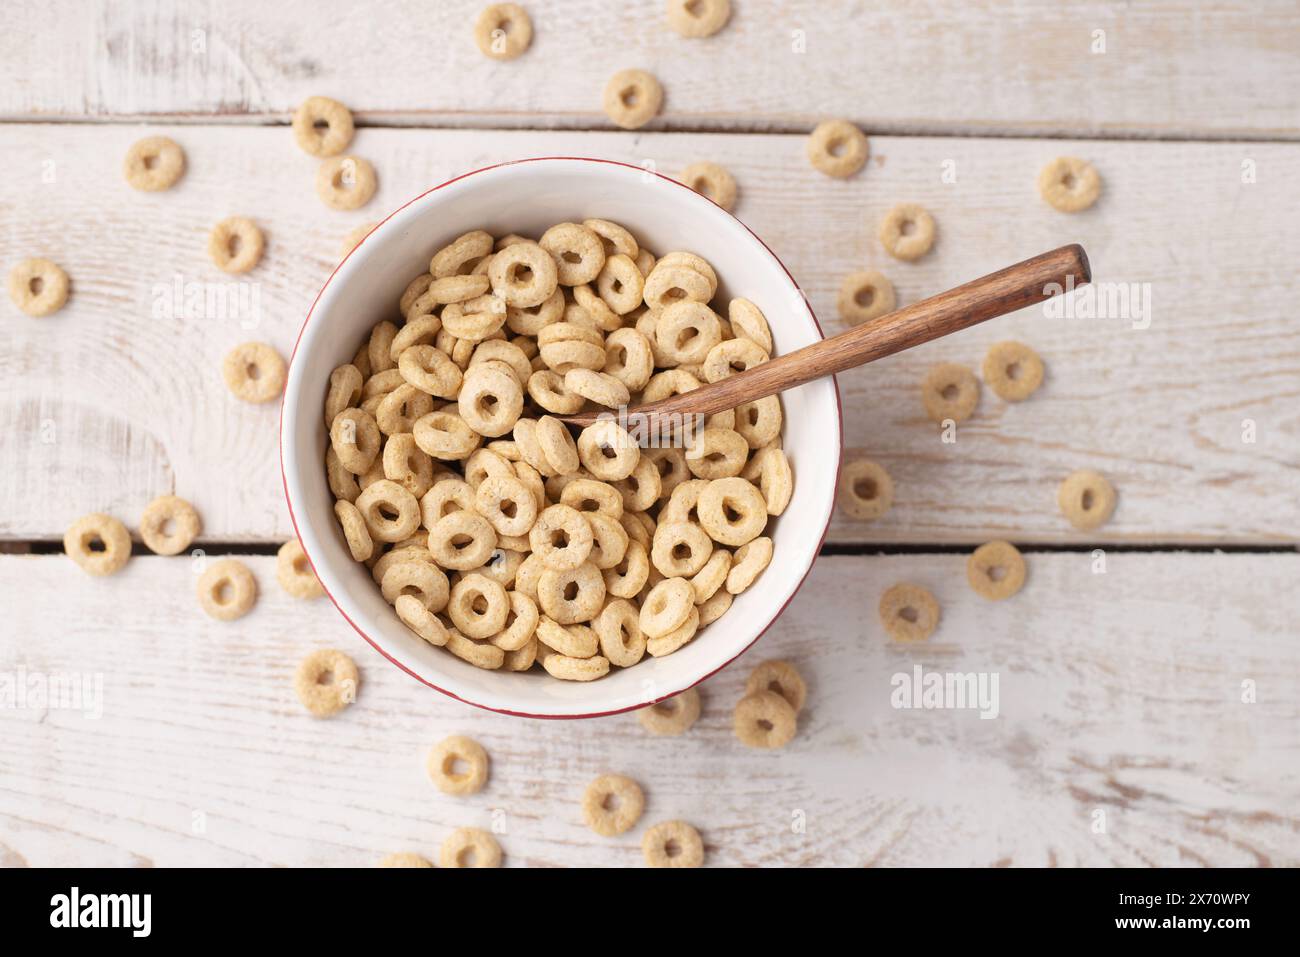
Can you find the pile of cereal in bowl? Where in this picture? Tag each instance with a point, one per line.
(489, 528)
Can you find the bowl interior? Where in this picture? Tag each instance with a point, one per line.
(526, 198)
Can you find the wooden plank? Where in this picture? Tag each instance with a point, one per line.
(1174, 69)
(111, 405)
(1120, 699)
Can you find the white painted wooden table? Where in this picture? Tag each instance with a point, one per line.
(1148, 715)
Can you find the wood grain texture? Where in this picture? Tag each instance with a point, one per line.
(1179, 68)
(110, 402)
(1118, 692)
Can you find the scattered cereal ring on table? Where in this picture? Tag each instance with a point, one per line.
(405, 859)
(909, 612)
(866, 490)
(98, 543)
(458, 765)
(322, 127)
(672, 844)
(698, 18)
(1069, 184)
(779, 677)
(1087, 499)
(254, 372)
(907, 232)
(236, 244)
(38, 287)
(345, 182)
(470, 847)
(503, 31)
(996, 570)
(632, 98)
(153, 164)
(227, 590)
(1012, 370)
(672, 716)
(864, 296)
(326, 682)
(612, 804)
(711, 180)
(837, 148)
(950, 391)
(764, 719)
(169, 525)
(294, 572)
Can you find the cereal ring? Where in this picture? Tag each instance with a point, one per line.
(671, 465)
(616, 239)
(507, 504)
(865, 296)
(607, 451)
(748, 322)
(561, 538)
(866, 490)
(404, 859)
(470, 847)
(687, 331)
(715, 607)
(414, 290)
(355, 440)
(727, 497)
(680, 549)
(344, 391)
(694, 263)
(168, 525)
(548, 390)
(530, 320)
(667, 607)
(575, 641)
(459, 255)
(254, 372)
(764, 719)
(444, 435)
(641, 489)
(589, 495)
(478, 606)
(506, 352)
(397, 555)
(480, 654)
(490, 401)
(609, 541)
(620, 287)
(557, 445)
(672, 844)
(445, 496)
(575, 669)
(671, 282)
(950, 391)
(632, 98)
(326, 682)
(400, 409)
(570, 596)
(1069, 184)
(430, 370)
(907, 232)
(405, 464)
(712, 181)
(421, 580)
(419, 619)
(360, 544)
(628, 577)
(391, 512)
(671, 716)
(748, 563)
(837, 148)
(379, 354)
(779, 677)
(503, 31)
(1012, 370)
(666, 644)
(345, 182)
(236, 244)
(735, 355)
(598, 387)
(628, 358)
(227, 590)
(909, 612)
(354, 237)
(619, 630)
(322, 127)
(343, 484)
(523, 274)
(706, 582)
(462, 541)
(1087, 499)
(578, 252)
(612, 804)
(294, 572)
(99, 543)
(154, 163)
(996, 570)
(573, 354)
(521, 623)
(776, 481)
(698, 18)
(458, 765)
(38, 287)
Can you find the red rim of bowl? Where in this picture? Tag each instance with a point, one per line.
(293, 518)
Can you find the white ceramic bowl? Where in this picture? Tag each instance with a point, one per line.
(526, 197)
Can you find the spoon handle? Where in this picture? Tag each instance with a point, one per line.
(1024, 284)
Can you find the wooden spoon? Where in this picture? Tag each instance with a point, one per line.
(1024, 284)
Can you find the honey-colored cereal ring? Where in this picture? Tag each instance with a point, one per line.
(391, 512)
(1087, 499)
(609, 541)
(698, 18)
(682, 504)
(864, 296)
(671, 716)
(490, 401)
(640, 490)
(360, 544)
(530, 320)
(478, 606)
(571, 595)
(507, 504)
(153, 164)
(430, 370)
(344, 391)
(322, 127)
(400, 409)
(779, 677)
(575, 641)
(747, 321)
(521, 624)
(667, 607)
(398, 555)
(408, 466)
(480, 654)
(523, 274)
(445, 436)
(454, 289)
(345, 182)
(672, 844)
(503, 31)
(326, 682)
(612, 804)
(459, 255)
(421, 580)
(573, 354)
(620, 286)
(732, 496)
(713, 181)
(446, 495)
(680, 257)
(628, 577)
(996, 570)
(1069, 184)
(507, 352)
(236, 244)
(663, 645)
(671, 282)
(712, 576)
(950, 391)
(750, 560)
(776, 481)
(837, 148)
(343, 484)
(687, 330)
(38, 287)
(447, 759)
(379, 354)
(632, 98)
(413, 291)
(1012, 370)
(619, 630)
(764, 719)
(462, 541)
(557, 445)
(909, 612)
(548, 390)
(715, 607)
(866, 490)
(589, 495)
(294, 572)
(907, 232)
(717, 454)
(734, 355)
(671, 465)
(561, 538)
(254, 372)
(419, 619)
(578, 252)
(98, 543)
(607, 451)
(169, 525)
(470, 847)
(227, 590)
(598, 387)
(628, 358)
(680, 549)
(616, 238)
(575, 669)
